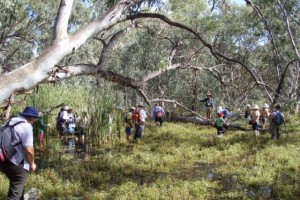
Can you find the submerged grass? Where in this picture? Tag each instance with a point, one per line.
(177, 161)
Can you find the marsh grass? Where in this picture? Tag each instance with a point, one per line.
(177, 161)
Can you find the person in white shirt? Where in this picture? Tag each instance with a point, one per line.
(140, 121)
(16, 169)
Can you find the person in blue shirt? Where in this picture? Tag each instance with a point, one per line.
(226, 114)
(157, 114)
(209, 104)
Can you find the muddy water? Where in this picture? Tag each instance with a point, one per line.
(199, 171)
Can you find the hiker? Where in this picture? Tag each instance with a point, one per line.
(264, 114)
(247, 114)
(61, 119)
(16, 169)
(209, 104)
(255, 119)
(219, 109)
(129, 123)
(220, 124)
(157, 114)
(226, 114)
(59, 122)
(139, 117)
(41, 130)
(276, 119)
(70, 122)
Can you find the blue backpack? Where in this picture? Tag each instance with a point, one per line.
(278, 119)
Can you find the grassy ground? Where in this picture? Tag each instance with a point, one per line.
(177, 161)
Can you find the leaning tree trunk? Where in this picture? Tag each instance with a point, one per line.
(38, 70)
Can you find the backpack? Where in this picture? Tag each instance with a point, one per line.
(278, 119)
(7, 150)
(126, 117)
(136, 116)
(158, 112)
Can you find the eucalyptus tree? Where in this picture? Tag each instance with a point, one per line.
(229, 43)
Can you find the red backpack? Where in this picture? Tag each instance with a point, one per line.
(136, 116)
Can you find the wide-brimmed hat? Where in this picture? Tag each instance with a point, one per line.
(66, 107)
(141, 104)
(266, 105)
(132, 108)
(30, 112)
(248, 106)
(208, 94)
(255, 107)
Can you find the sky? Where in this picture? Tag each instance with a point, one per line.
(238, 1)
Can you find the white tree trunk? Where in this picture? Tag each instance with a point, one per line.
(37, 70)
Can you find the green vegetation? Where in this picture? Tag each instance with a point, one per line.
(178, 161)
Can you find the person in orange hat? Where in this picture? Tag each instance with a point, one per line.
(209, 104)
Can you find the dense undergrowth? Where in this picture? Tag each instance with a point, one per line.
(177, 161)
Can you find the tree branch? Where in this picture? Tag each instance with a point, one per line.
(60, 31)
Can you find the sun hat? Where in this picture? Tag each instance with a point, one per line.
(266, 105)
(30, 112)
(248, 106)
(255, 107)
(66, 107)
(132, 108)
(208, 94)
(141, 104)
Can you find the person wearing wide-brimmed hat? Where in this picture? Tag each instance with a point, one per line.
(139, 117)
(209, 104)
(17, 168)
(264, 114)
(255, 119)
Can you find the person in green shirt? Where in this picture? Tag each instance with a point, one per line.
(220, 125)
(41, 128)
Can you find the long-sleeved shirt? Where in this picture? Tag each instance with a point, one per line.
(209, 102)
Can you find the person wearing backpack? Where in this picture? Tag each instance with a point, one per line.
(139, 117)
(129, 123)
(157, 114)
(264, 114)
(276, 119)
(17, 166)
(255, 119)
(209, 104)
